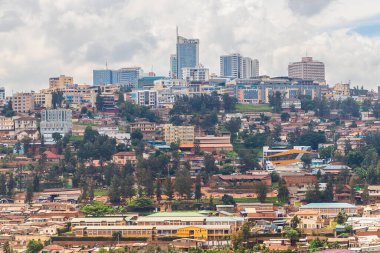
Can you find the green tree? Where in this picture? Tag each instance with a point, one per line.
(96, 209)
(29, 192)
(169, 188)
(228, 200)
(183, 182)
(283, 192)
(137, 135)
(275, 100)
(261, 191)
(341, 218)
(34, 246)
(233, 126)
(141, 205)
(328, 193)
(11, 185)
(294, 222)
(316, 244)
(229, 103)
(158, 190)
(326, 152)
(56, 137)
(7, 247)
(128, 187)
(285, 117)
(114, 191)
(99, 100)
(3, 185)
(198, 188)
(292, 234)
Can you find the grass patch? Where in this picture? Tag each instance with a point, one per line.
(76, 138)
(253, 108)
(100, 192)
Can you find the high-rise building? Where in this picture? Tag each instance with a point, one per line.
(173, 66)
(129, 76)
(198, 73)
(2, 93)
(55, 121)
(237, 66)
(307, 69)
(124, 76)
(60, 82)
(187, 54)
(102, 76)
(230, 65)
(22, 102)
(249, 68)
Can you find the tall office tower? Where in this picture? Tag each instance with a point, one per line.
(230, 65)
(307, 69)
(187, 54)
(129, 76)
(173, 66)
(60, 82)
(2, 94)
(102, 76)
(249, 68)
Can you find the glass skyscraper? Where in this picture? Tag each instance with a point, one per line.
(187, 54)
(124, 76)
(103, 76)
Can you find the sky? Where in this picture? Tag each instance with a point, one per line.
(44, 38)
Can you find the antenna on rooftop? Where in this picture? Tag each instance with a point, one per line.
(106, 65)
(177, 32)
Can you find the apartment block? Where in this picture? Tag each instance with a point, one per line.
(6, 124)
(55, 121)
(23, 102)
(43, 99)
(181, 134)
(60, 82)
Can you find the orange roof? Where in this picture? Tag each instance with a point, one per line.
(53, 247)
(290, 152)
(285, 162)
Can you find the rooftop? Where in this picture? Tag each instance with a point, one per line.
(328, 205)
(177, 214)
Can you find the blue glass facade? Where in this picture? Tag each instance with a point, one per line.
(187, 54)
(102, 77)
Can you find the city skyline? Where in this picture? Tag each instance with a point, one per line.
(36, 45)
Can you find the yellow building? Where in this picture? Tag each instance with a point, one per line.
(43, 99)
(181, 134)
(60, 82)
(206, 232)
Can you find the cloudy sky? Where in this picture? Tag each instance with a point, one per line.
(44, 38)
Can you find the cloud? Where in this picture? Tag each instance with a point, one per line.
(308, 7)
(41, 38)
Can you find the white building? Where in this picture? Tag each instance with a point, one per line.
(145, 97)
(198, 73)
(249, 68)
(55, 121)
(307, 69)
